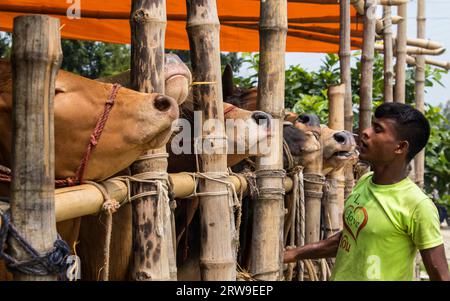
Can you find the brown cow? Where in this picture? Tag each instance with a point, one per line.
(137, 122)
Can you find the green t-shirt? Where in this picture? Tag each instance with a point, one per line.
(384, 225)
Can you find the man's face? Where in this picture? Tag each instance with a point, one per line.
(379, 143)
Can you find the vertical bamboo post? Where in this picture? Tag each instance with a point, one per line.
(419, 160)
(36, 58)
(268, 218)
(344, 57)
(367, 56)
(152, 251)
(400, 66)
(334, 204)
(216, 255)
(388, 55)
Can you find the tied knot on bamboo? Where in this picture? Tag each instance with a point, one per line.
(52, 262)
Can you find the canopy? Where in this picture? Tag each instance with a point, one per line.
(312, 27)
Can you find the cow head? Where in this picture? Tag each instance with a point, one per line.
(339, 149)
(137, 122)
(311, 149)
(248, 130)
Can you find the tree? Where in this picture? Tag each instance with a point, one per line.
(5, 45)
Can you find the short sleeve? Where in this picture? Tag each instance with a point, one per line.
(424, 227)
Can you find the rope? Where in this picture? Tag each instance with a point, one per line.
(313, 178)
(268, 192)
(109, 206)
(95, 136)
(49, 263)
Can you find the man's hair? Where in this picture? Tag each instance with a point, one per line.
(412, 125)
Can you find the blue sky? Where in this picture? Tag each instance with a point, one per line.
(437, 29)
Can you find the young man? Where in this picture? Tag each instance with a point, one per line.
(386, 217)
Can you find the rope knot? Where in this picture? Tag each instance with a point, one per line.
(93, 141)
(110, 205)
(71, 181)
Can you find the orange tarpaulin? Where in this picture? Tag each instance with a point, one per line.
(312, 27)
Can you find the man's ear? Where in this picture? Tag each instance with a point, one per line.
(402, 147)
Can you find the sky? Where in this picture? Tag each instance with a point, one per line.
(437, 29)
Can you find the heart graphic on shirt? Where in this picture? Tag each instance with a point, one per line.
(355, 219)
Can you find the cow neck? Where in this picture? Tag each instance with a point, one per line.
(229, 109)
(5, 174)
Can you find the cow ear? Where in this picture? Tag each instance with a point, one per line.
(227, 81)
(59, 86)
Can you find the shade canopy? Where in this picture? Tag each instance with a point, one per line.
(312, 27)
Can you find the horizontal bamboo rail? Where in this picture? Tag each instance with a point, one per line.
(86, 199)
(444, 65)
(415, 50)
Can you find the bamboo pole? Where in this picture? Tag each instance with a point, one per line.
(388, 55)
(419, 160)
(268, 219)
(36, 58)
(86, 199)
(344, 58)
(444, 65)
(367, 58)
(148, 24)
(423, 43)
(217, 226)
(400, 66)
(334, 203)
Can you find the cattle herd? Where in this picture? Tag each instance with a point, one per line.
(139, 122)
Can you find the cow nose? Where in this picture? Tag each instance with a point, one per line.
(261, 118)
(166, 104)
(341, 137)
(309, 119)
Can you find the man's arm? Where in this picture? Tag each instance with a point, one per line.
(322, 249)
(436, 263)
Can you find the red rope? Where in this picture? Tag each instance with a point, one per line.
(93, 141)
(95, 137)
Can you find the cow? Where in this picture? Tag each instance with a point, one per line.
(136, 123)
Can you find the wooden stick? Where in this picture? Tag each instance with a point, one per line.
(217, 248)
(444, 65)
(148, 24)
(344, 58)
(423, 43)
(388, 55)
(86, 199)
(267, 240)
(419, 160)
(334, 204)
(400, 66)
(367, 57)
(36, 58)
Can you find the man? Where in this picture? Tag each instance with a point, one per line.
(386, 217)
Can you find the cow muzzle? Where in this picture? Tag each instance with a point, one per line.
(166, 104)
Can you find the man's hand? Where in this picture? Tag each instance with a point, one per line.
(436, 263)
(322, 249)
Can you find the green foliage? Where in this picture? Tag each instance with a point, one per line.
(5, 45)
(94, 59)
(225, 58)
(437, 154)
